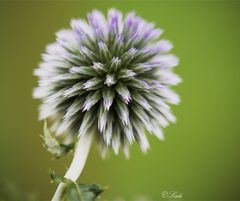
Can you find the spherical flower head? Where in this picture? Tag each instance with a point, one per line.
(111, 76)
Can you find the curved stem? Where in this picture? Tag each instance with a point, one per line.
(77, 165)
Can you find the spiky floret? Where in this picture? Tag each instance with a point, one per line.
(111, 75)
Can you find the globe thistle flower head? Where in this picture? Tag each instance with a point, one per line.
(108, 75)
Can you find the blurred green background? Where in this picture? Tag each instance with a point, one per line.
(200, 156)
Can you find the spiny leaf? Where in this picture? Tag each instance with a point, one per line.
(75, 191)
(58, 179)
(90, 192)
(53, 145)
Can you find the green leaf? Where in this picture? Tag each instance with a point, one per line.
(58, 179)
(75, 191)
(90, 192)
(53, 145)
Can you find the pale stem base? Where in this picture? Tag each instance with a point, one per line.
(77, 165)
